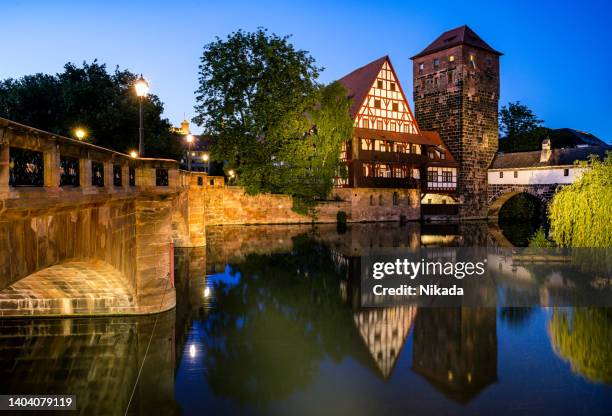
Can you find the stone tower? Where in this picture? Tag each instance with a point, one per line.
(456, 93)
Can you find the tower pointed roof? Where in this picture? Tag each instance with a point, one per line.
(359, 81)
(462, 35)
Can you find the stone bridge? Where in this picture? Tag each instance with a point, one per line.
(498, 195)
(86, 230)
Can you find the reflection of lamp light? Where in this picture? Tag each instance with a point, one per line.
(206, 292)
(192, 351)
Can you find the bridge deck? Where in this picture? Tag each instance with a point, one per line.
(72, 288)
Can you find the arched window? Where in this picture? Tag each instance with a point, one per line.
(371, 199)
(395, 198)
(380, 200)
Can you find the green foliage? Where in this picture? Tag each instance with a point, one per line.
(581, 213)
(516, 119)
(276, 127)
(582, 336)
(538, 239)
(92, 98)
(524, 142)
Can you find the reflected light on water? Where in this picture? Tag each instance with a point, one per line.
(207, 292)
(192, 351)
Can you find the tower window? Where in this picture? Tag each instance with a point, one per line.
(395, 107)
(392, 86)
(436, 63)
(565, 172)
(451, 58)
(472, 61)
(379, 84)
(376, 103)
(516, 173)
(501, 175)
(421, 68)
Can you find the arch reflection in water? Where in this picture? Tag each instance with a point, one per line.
(96, 359)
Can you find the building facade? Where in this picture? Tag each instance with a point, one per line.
(388, 149)
(456, 93)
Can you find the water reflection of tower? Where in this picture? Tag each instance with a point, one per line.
(455, 349)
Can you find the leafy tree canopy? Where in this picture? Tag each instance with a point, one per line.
(581, 213)
(516, 118)
(278, 128)
(522, 129)
(89, 97)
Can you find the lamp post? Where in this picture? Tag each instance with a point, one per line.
(142, 89)
(189, 140)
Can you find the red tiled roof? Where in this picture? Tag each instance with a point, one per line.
(359, 81)
(459, 36)
(435, 138)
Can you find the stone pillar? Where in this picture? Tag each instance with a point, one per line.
(85, 174)
(108, 176)
(4, 163)
(154, 290)
(51, 157)
(125, 175)
(196, 213)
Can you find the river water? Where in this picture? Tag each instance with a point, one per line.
(268, 321)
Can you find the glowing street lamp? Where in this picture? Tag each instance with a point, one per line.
(189, 139)
(142, 89)
(80, 133)
(133, 154)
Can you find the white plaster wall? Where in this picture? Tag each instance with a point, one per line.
(534, 176)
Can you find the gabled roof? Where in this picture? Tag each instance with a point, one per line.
(462, 35)
(359, 82)
(558, 157)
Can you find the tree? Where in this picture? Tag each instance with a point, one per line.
(516, 119)
(523, 130)
(277, 128)
(102, 103)
(581, 213)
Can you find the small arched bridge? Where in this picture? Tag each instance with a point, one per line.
(498, 195)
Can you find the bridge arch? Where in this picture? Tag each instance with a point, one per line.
(81, 287)
(499, 195)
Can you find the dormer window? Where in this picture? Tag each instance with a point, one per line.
(436, 63)
(442, 155)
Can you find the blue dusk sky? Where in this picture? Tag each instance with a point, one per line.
(556, 59)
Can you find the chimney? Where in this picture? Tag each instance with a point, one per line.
(546, 151)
